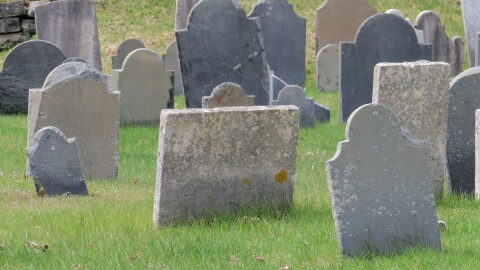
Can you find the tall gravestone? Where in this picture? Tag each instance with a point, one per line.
(75, 99)
(418, 94)
(294, 95)
(72, 26)
(221, 44)
(145, 85)
(284, 36)
(471, 22)
(170, 59)
(381, 38)
(381, 187)
(327, 68)
(227, 95)
(183, 8)
(125, 48)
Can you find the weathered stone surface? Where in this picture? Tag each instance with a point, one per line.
(220, 45)
(145, 85)
(28, 26)
(322, 113)
(284, 36)
(276, 85)
(444, 49)
(11, 9)
(294, 95)
(170, 59)
(55, 164)
(381, 38)
(418, 94)
(125, 48)
(182, 10)
(227, 95)
(420, 34)
(327, 68)
(338, 20)
(471, 22)
(72, 26)
(9, 25)
(464, 99)
(32, 6)
(380, 187)
(75, 99)
(9, 40)
(477, 154)
(216, 160)
(13, 95)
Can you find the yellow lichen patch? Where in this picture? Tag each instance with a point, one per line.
(281, 176)
(245, 182)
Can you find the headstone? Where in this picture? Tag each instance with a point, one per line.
(327, 68)
(444, 49)
(294, 95)
(227, 95)
(477, 154)
(74, 59)
(216, 160)
(145, 85)
(182, 10)
(72, 26)
(55, 164)
(420, 34)
(381, 38)
(418, 94)
(464, 99)
(75, 99)
(380, 187)
(170, 59)
(322, 113)
(276, 85)
(471, 22)
(220, 45)
(338, 20)
(477, 49)
(125, 48)
(13, 95)
(284, 36)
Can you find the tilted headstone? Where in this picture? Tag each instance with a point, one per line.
(221, 44)
(183, 8)
(55, 164)
(464, 99)
(327, 68)
(125, 48)
(322, 113)
(216, 160)
(338, 20)
(471, 22)
(477, 154)
(381, 187)
(444, 49)
(72, 26)
(294, 95)
(381, 38)
(284, 36)
(145, 85)
(418, 94)
(170, 59)
(276, 85)
(76, 99)
(227, 95)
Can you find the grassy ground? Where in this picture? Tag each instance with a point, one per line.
(112, 228)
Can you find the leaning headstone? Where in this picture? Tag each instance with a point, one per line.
(418, 94)
(170, 60)
(338, 20)
(327, 68)
(221, 44)
(471, 22)
(477, 154)
(216, 160)
(464, 99)
(322, 113)
(380, 187)
(145, 85)
(381, 38)
(55, 164)
(227, 95)
(125, 48)
(444, 49)
(76, 99)
(276, 85)
(72, 26)
(294, 95)
(183, 8)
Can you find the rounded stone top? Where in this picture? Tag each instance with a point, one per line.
(74, 59)
(395, 12)
(70, 70)
(142, 57)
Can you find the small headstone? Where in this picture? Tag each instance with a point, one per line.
(276, 85)
(380, 187)
(216, 160)
(477, 154)
(471, 22)
(227, 95)
(183, 8)
(125, 48)
(55, 164)
(294, 95)
(418, 94)
(327, 68)
(145, 85)
(170, 59)
(322, 113)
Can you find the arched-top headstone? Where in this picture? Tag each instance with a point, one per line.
(183, 8)
(170, 59)
(74, 59)
(381, 38)
(294, 95)
(125, 48)
(420, 34)
(227, 95)
(221, 44)
(327, 68)
(70, 70)
(471, 22)
(284, 36)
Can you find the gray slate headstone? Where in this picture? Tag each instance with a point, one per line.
(55, 164)
(220, 45)
(276, 85)
(328, 68)
(294, 95)
(284, 38)
(471, 22)
(398, 13)
(227, 95)
(13, 95)
(171, 62)
(381, 38)
(322, 113)
(125, 48)
(183, 8)
(380, 187)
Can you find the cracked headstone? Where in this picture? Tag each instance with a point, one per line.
(183, 9)
(227, 95)
(294, 95)
(328, 68)
(471, 23)
(124, 49)
(170, 59)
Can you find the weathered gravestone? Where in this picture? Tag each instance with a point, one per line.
(284, 36)
(464, 99)
(145, 85)
(227, 95)
(55, 164)
(381, 187)
(294, 95)
(327, 68)
(13, 95)
(220, 45)
(72, 26)
(170, 60)
(125, 48)
(420, 34)
(477, 154)
(183, 8)
(471, 22)
(76, 99)
(444, 49)
(381, 38)
(216, 160)
(276, 85)
(418, 94)
(338, 20)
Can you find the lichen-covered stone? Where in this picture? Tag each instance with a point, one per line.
(227, 95)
